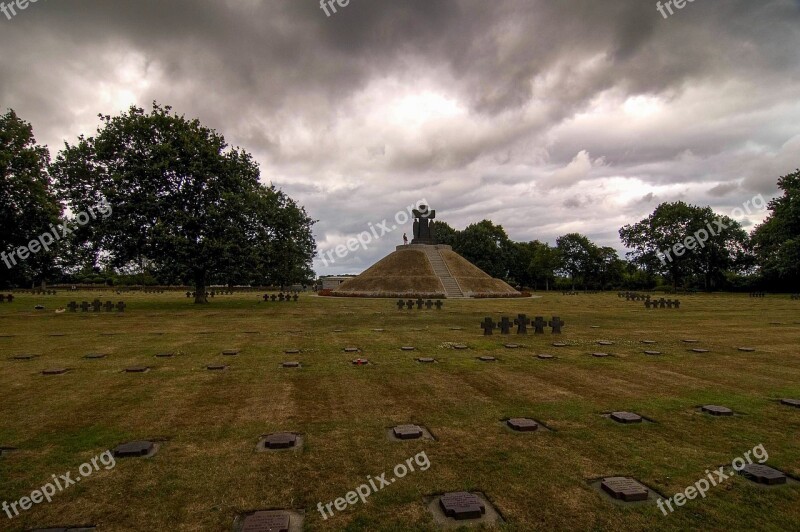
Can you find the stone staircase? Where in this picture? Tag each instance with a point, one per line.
(451, 288)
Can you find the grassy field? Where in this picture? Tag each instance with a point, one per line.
(207, 471)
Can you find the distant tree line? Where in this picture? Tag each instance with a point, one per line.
(187, 208)
(679, 246)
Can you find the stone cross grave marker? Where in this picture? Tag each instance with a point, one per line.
(488, 325)
(538, 325)
(505, 325)
(522, 321)
(556, 323)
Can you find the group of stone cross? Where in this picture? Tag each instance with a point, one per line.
(662, 303)
(96, 306)
(150, 291)
(281, 297)
(758, 294)
(429, 304)
(633, 296)
(794, 297)
(9, 298)
(521, 322)
(211, 294)
(569, 293)
(39, 292)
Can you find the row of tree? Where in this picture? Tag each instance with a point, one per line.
(185, 208)
(679, 246)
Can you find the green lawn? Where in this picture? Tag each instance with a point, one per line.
(207, 471)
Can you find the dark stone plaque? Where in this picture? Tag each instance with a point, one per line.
(763, 474)
(137, 369)
(266, 522)
(407, 432)
(626, 417)
(134, 449)
(280, 440)
(716, 410)
(624, 488)
(462, 505)
(55, 371)
(522, 424)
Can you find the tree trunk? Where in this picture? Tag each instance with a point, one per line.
(200, 288)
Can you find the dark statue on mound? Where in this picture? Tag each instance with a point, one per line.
(423, 229)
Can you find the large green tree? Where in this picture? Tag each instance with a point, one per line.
(683, 241)
(185, 205)
(28, 204)
(545, 260)
(578, 257)
(776, 242)
(487, 246)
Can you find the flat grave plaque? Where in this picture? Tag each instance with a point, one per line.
(291, 364)
(351, 350)
(559, 344)
(763, 474)
(698, 350)
(462, 505)
(545, 356)
(230, 352)
(134, 449)
(626, 417)
(486, 358)
(266, 522)
(407, 432)
(716, 410)
(791, 402)
(280, 440)
(426, 360)
(652, 353)
(624, 488)
(407, 348)
(522, 424)
(137, 369)
(747, 349)
(55, 371)
(600, 355)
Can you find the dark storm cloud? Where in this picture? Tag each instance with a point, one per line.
(546, 117)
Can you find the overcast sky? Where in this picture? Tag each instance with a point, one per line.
(546, 117)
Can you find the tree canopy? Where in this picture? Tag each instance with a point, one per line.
(28, 203)
(186, 206)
